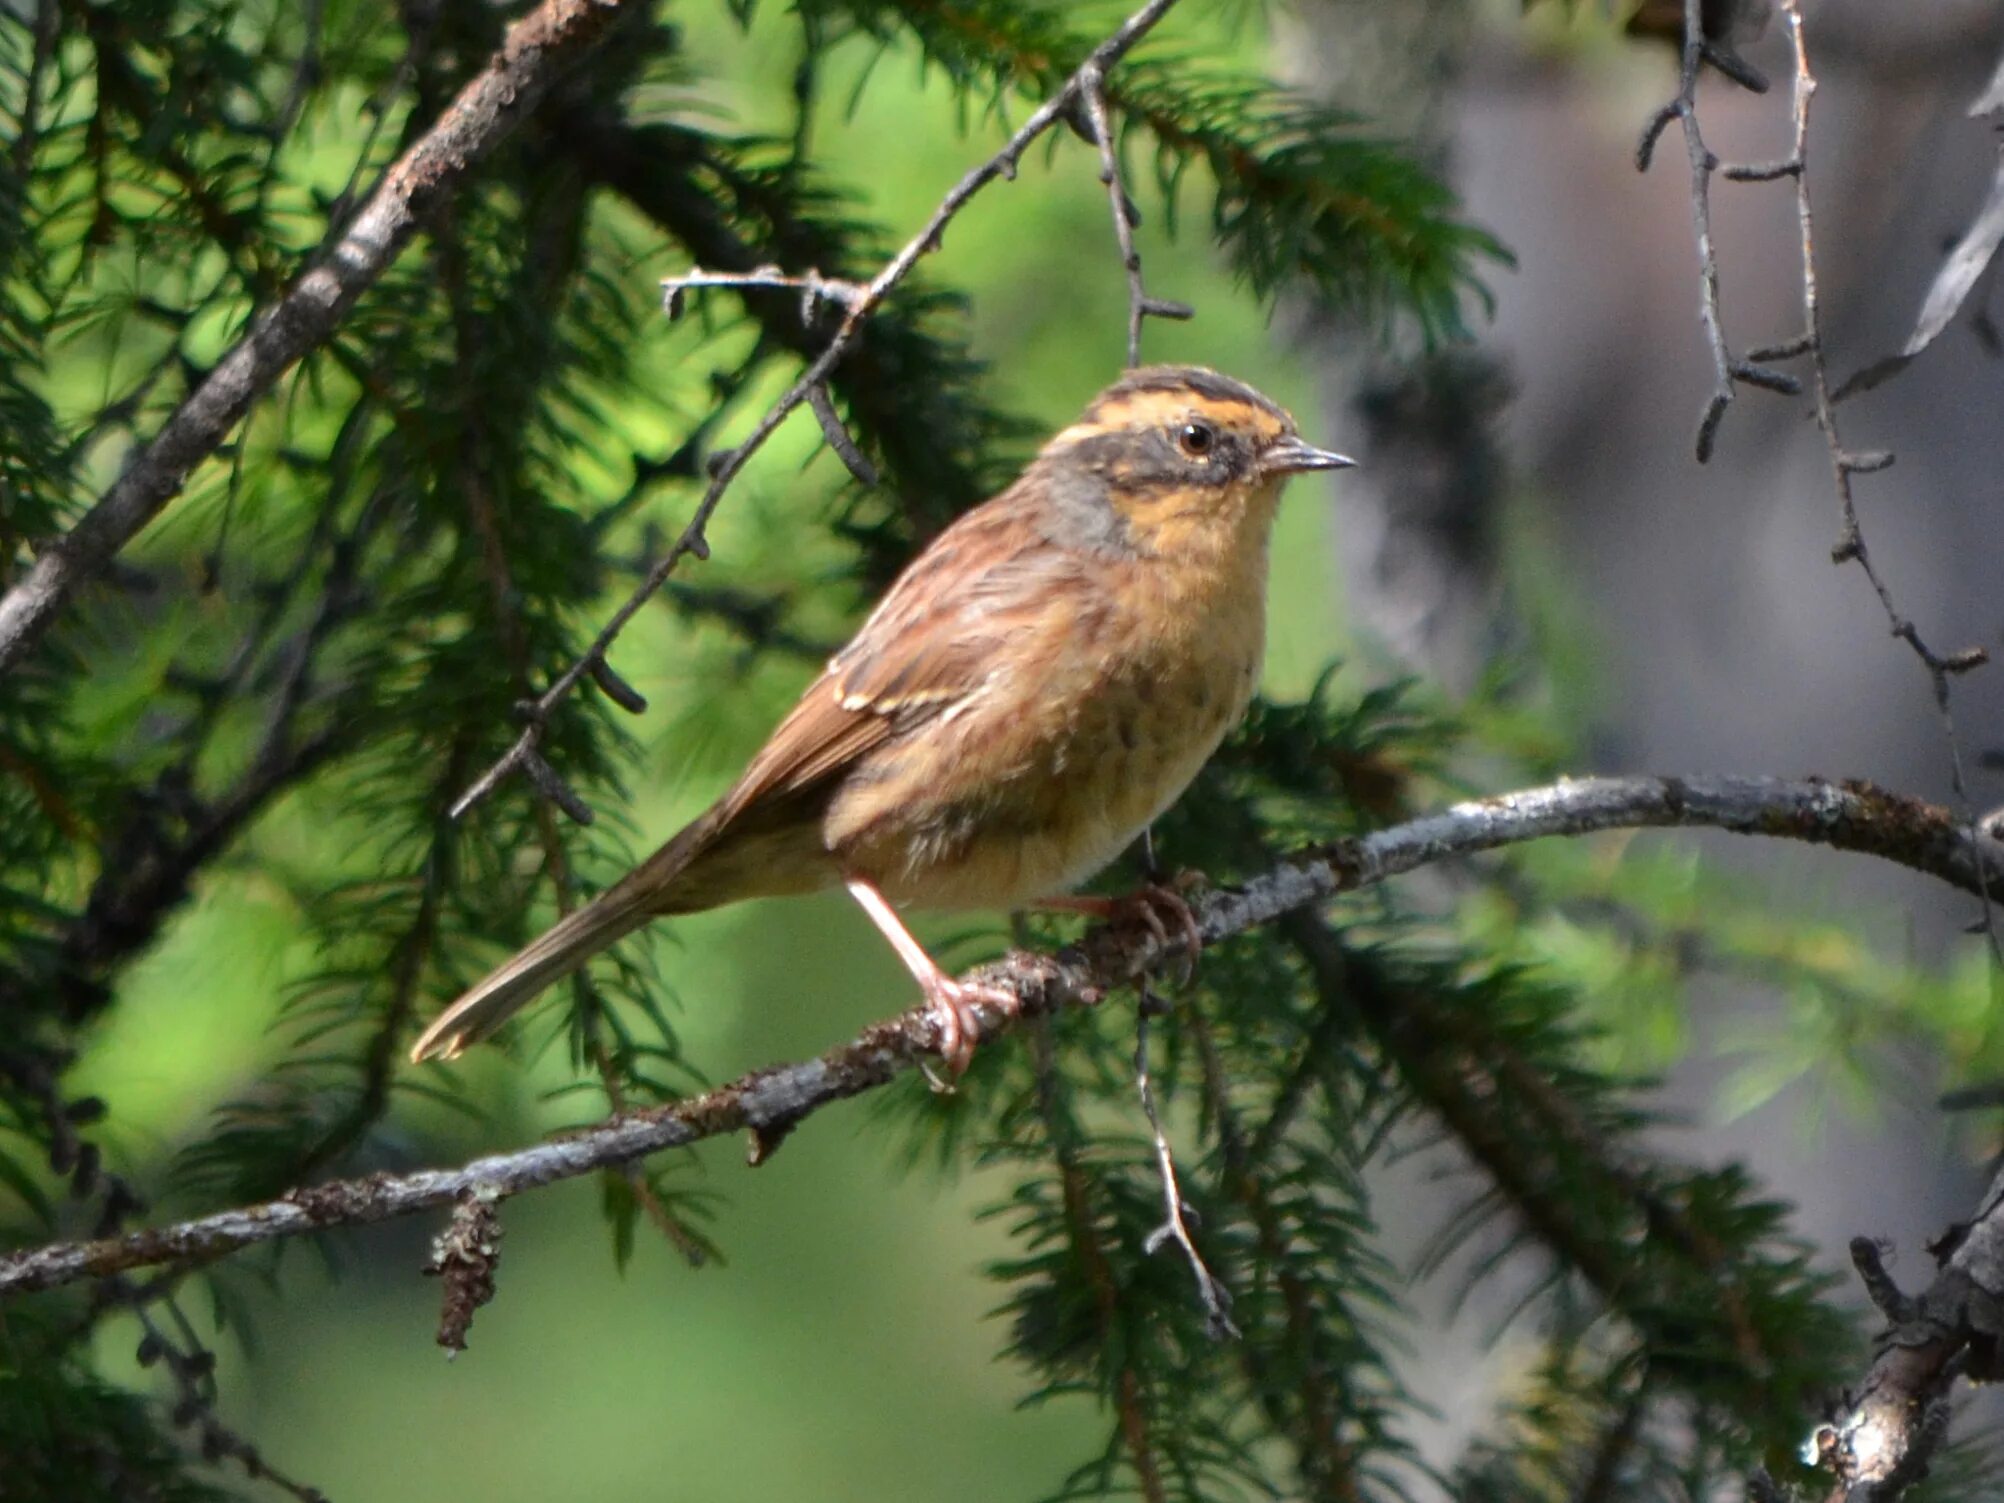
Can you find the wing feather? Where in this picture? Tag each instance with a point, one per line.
(928, 648)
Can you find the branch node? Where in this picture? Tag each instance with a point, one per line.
(1140, 306)
(1868, 1257)
(838, 436)
(1865, 461)
(1177, 1214)
(617, 689)
(1765, 378)
(1787, 349)
(554, 788)
(1764, 172)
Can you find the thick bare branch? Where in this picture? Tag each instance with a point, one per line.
(552, 37)
(1847, 816)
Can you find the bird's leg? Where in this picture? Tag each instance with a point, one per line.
(1151, 864)
(952, 1001)
(1149, 905)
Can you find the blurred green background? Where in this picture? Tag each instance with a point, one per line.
(843, 1345)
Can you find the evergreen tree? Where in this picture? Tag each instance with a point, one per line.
(286, 684)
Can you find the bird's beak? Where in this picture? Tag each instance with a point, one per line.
(1291, 456)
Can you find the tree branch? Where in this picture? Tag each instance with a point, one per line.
(1844, 463)
(1880, 1441)
(553, 36)
(858, 304)
(1847, 816)
(1727, 370)
(1092, 89)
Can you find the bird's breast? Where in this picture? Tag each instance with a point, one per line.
(1050, 773)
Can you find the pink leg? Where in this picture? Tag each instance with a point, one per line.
(952, 1002)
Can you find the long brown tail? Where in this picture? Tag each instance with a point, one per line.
(628, 904)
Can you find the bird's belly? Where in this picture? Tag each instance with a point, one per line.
(1072, 804)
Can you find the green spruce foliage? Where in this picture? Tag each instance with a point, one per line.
(290, 678)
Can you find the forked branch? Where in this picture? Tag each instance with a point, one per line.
(1808, 345)
(1728, 370)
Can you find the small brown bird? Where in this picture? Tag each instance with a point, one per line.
(1042, 682)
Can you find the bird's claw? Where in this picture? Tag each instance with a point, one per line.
(958, 1026)
(1158, 907)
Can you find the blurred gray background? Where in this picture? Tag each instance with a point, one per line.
(1721, 636)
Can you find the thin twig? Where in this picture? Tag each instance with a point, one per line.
(1727, 370)
(1061, 1132)
(814, 289)
(1302, 1404)
(1847, 816)
(1092, 90)
(1844, 463)
(191, 1366)
(1174, 1228)
(726, 465)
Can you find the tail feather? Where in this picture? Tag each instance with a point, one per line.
(649, 889)
(567, 945)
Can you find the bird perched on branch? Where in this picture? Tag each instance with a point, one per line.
(1042, 682)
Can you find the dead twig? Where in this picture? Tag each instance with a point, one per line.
(190, 1367)
(1882, 1436)
(1727, 369)
(1092, 92)
(1175, 1226)
(814, 289)
(859, 303)
(463, 1259)
(1846, 463)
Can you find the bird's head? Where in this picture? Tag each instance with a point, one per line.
(1170, 457)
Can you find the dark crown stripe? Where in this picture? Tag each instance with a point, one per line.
(1194, 379)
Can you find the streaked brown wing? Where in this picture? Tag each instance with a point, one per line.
(929, 645)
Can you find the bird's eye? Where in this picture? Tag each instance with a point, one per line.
(1196, 439)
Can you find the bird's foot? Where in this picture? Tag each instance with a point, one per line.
(953, 1003)
(1158, 907)
(1162, 908)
